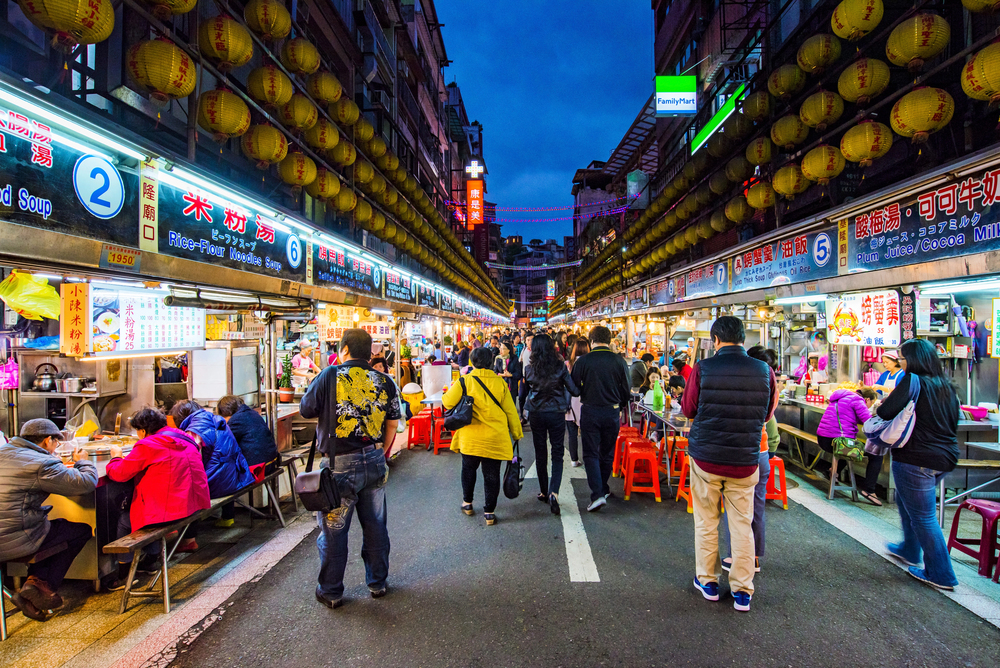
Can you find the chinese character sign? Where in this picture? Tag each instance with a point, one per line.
(865, 319)
(550, 290)
(803, 257)
(474, 202)
(74, 323)
(994, 325)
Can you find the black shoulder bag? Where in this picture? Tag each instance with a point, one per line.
(459, 415)
(318, 489)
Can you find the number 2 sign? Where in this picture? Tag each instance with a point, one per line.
(99, 186)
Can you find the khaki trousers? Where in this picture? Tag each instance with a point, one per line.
(706, 491)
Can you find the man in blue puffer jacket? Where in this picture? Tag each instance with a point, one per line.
(225, 465)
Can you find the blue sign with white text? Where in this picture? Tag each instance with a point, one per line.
(804, 257)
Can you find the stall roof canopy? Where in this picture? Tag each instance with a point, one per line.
(638, 149)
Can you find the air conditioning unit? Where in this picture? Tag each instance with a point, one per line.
(381, 99)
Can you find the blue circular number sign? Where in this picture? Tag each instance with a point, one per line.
(822, 249)
(99, 186)
(293, 249)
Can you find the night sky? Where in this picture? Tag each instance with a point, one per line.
(555, 84)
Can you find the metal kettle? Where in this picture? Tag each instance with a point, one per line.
(45, 381)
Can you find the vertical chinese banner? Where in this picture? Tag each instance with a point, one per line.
(842, 230)
(149, 187)
(474, 201)
(309, 262)
(74, 324)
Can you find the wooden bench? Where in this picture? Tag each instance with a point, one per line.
(8, 596)
(799, 435)
(139, 539)
(970, 465)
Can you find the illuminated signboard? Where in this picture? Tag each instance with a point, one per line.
(864, 319)
(677, 96)
(720, 117)
(474, 200)
(550, 290)
(137, 321)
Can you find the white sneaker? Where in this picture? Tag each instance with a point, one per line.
(576, 464)
(596, 505)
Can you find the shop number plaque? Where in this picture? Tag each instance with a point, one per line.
(121, 258)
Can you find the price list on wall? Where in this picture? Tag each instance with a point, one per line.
(137, 321)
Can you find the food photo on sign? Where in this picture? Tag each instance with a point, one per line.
(864, 319)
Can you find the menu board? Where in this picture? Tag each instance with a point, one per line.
(344, 269)
(864, 319)
(637, 298)
(708, 281)
(427, 296)
(446, 302)
(803, 257)
(136, 321)
(400, 288)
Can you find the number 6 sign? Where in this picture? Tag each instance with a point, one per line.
(99, 186)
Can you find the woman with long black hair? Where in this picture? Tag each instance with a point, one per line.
(549, 390)
(929, 455)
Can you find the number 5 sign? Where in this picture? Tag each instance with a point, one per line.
(99, 186)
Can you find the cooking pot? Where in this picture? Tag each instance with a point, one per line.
(45, 381)
(69, 385)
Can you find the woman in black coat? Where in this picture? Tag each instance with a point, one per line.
(251, 432)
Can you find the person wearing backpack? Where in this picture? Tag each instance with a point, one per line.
(486, 441)
(917, 466)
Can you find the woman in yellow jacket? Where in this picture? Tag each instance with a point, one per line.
(487, 440)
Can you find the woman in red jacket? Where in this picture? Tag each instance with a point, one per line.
(171, 482)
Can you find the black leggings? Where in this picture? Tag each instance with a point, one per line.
(491, 479)
(871, 471)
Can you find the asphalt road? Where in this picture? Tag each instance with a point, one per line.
(464, 594)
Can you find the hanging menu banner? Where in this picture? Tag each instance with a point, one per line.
(864, 319)
(400, 288)
(427, 296)
(446, 302)
(952, 220)
(707, 281)
(48, 185)
(336, 267)
(136, 321)
(196, 227)
(637, 299)
(659, 293)
(796, 259)
(908, 315)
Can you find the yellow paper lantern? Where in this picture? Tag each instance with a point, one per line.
(362, 212)
(363, 130)
(225, 42)
(162, 68)
(921, 112)
(376, 186)
(691, 235)
(298, 113)
(71, 22)
(719, 222)
(705, 229)
(377, 148)
(297, 170)
(853, 19)
(388, 162)
(363, 172)
(346, 200)
(787, 132)
(789, 181)
(917, 40)
(737, 209)
(821, 109)
(223, 113)
(863, 80)
(703, 196)
(265, 145)
(759, 151)
(345, 112)
(865, 142)
(760, 195)
(981, 5)
(269, 87)
(974, 85)
(390, 196)
(268, 18)
(680, 241)
(817, 53)
(756, 106)
(719, 145)
(786, 81)
(325, 186)
(324, 87)
(738, 169)
(680, 183)
(322, 136)
(738, 127)
(822, 164)
(166, 9)
(343, 154)
(719, 183)
(410, 184)
(299, 56)
(986, 75)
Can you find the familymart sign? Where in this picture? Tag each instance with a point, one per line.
(676, 96)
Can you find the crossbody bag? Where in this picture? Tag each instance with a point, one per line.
(318, 490)
(844, 447)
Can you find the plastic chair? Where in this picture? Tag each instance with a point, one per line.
(624, 434)
(650, 477)
(684, 486)
(442, 438)
(773, 491)
(419, 430)
(987, 541)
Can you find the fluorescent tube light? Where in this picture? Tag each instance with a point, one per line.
(804, 299)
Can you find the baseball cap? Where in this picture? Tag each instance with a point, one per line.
(41, 427)
(891, 354)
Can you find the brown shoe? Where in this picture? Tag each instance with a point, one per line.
(188, 545)
(40, 594)
(28, 608)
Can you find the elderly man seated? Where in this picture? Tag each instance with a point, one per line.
(29, 472)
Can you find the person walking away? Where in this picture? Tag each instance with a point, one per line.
(845, 411)
(251, 433)
(405, 412)
(637, 372)
(918, 466)
(581, 346)
(486, 442)
(357, 411)
(29, 472)
(549, 389)
(170, 484)
(522, 394)
(602, 378)
(728, 397)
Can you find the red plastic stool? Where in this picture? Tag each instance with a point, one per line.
(650, 477)
(684, 486)
(987, 541)
(676, 451)
(627, 444)
(773, 491)
(418, 430)
(442, 440)
(623, 434)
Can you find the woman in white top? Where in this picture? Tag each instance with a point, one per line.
(303, 367)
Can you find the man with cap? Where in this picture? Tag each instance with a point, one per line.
(29, 472)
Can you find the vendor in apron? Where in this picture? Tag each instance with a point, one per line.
(893, 373)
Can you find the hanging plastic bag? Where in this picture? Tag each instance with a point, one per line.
(30, 296)
(84, 422)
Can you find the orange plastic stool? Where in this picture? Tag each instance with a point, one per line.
(621, 451)
(773, 491)
(623, 434)
(651, 477)
(418, 430)
(675, 451)
(442, 441)
(684, 486)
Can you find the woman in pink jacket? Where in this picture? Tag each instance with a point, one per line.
(851, 407)
(170, 483)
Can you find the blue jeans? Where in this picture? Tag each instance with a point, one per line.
(361, 478)
(916, 499)
(759, 501)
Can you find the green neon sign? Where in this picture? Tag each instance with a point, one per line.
(720, 117)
